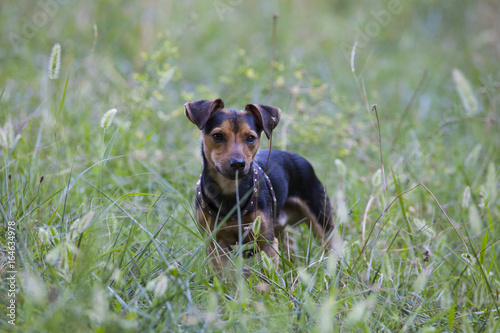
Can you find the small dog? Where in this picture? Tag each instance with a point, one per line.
(278, 186)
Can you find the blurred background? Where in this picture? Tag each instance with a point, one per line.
(148, 58)
(431, 68)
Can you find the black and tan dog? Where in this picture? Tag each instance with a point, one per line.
(278, 186)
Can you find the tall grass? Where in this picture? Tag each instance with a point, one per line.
(105, 234)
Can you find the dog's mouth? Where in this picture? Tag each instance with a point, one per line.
(231, 174)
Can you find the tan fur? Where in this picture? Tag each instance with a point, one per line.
(218, 154)
(227, 235)
(295, 211)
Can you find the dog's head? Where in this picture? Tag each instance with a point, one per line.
(230, 137)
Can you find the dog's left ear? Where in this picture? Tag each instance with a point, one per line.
(198, 112)
(267, 116)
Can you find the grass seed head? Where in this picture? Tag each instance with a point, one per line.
(55, 62)
(466, 197)
(81, 224)
(465, 92)
(107, 119)
(340, 167)
(377, 178)
(7, 137)
(53, 258)
(34, 287)
(475, 220)
(44, 236)
(161, 286)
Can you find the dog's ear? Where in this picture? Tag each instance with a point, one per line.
(198, 112)
(267, 116)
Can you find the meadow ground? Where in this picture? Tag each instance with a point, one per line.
(97, 226)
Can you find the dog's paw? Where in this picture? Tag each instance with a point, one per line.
(288, 243)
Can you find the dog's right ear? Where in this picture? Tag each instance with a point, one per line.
(198, 112)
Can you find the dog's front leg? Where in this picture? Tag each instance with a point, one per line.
(219, 255)
(270, 248)
(266, 239)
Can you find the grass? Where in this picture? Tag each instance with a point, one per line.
(105, 238)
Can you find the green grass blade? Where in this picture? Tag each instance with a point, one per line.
(484, 243)
(63, 97)
(109, 147)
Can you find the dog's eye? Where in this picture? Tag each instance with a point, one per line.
(218, 137)
(251, 139)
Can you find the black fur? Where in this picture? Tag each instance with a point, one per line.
(293, 176)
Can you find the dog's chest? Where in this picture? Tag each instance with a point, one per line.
(228, 232)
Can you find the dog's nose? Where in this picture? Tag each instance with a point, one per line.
(237, 164)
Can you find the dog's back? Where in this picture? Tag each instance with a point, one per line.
(300, 194)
